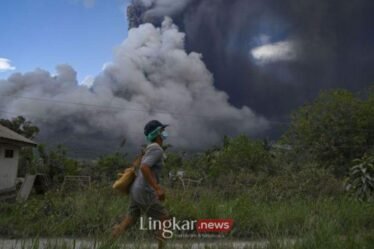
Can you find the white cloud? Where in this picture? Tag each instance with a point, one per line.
(5, 65)
(274, 52)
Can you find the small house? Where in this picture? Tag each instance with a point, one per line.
(10, 145)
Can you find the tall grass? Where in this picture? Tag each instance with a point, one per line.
(92, 213)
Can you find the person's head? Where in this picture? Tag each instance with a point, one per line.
(155, 131)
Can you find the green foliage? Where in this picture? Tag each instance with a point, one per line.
(21, 126)
(333, 130)
(202, 165)
(60, 164)
(229, 165)
(361, 178)
(55, 214)
(110, 165)
(173, 162)
(240, 154)
(27, 161)
(54, 162)
(94, 211)
(309, 183)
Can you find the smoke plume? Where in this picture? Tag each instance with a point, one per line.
(150, 77)
(153, 11)
(331, 47)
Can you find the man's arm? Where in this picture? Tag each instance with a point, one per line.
(151, 180)
(149, 176)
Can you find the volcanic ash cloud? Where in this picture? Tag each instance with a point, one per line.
(151, 77)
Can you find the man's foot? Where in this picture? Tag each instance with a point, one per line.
(160, 239)
(161, 244)
(117, 231)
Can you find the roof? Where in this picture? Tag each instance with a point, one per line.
(7, 135)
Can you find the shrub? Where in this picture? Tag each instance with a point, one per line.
(240, 155)
(333, 130)
(361, 178)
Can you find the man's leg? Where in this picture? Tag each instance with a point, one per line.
(132, 216)
(158, 212)
(123, 226)
(159, 234)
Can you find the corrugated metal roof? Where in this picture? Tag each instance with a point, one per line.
(8, 134)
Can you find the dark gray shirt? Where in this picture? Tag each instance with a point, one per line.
(140, 191)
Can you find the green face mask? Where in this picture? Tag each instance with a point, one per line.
(151, 136)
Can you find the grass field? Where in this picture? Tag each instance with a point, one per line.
(324, 222)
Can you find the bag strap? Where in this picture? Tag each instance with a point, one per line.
(136, 163)
(138, 160)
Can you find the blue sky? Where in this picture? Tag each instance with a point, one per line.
(45, 33)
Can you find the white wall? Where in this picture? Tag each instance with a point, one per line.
(8, 167)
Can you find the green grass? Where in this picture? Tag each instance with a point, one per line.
(318, 223)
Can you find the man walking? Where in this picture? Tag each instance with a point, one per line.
(146, 194)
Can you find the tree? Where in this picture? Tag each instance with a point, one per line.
(110, 165)
(21, 126)
(333, 130)
(239, 154)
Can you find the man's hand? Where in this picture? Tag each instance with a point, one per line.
(160, 194)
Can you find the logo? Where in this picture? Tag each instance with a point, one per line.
(214, 225)
(168, 227)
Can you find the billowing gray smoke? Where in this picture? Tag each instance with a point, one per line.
(153, 11)
(151, 77)
(275, 55)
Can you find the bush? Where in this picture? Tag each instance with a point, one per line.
(240, 155)
(333, 130)
(361, 178)
(109, 166)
